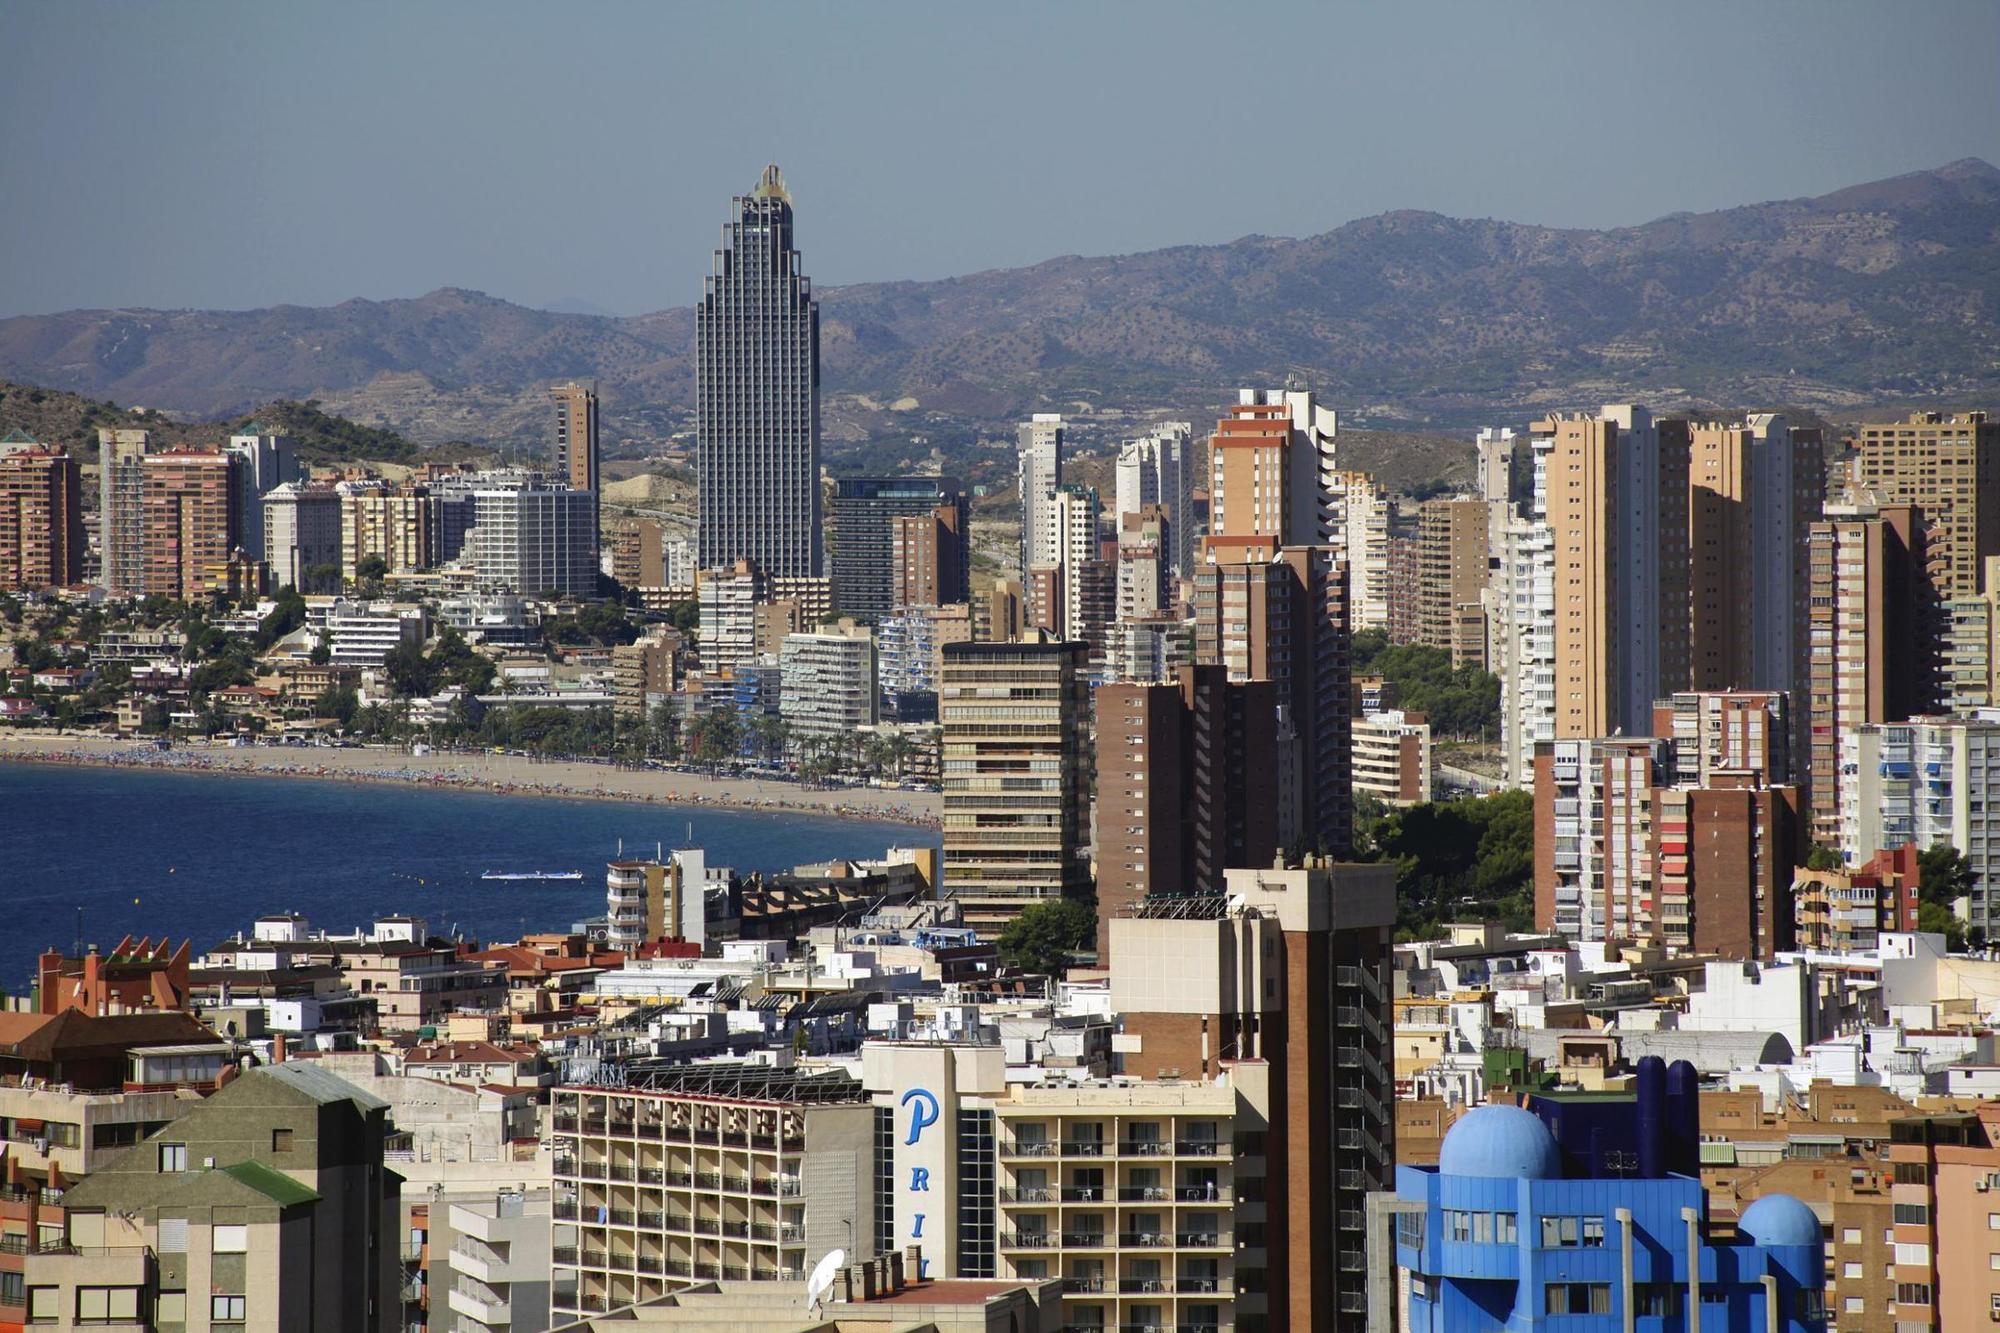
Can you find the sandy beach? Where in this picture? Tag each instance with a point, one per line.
(481, 772)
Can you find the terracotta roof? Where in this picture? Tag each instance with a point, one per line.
(73, 1034)
(447, 1052)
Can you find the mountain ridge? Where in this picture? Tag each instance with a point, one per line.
(1882, 291)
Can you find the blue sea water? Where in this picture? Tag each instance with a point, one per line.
(200, 856)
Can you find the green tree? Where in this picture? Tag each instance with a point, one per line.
(410, 673)
(685, 616)
(287, 615)
(1944, 875)
(321, 653)
(1470, 859)
(1042, 938)
(337, 704)
(1822, 857)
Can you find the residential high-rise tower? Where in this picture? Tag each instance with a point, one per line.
(575, 458)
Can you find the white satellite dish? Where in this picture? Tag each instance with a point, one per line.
(1238, 904)
(822, 1277)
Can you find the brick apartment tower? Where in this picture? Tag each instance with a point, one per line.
(576, 453)
(1263, 484)
(1868, 657)
(1617, 497)
(1949, 467)
(929, 563)
(41, 517)
(1015, 721)
(1284, 620)
(1198, 991)
(188, 520)
(1186, 786)
(1451, 578)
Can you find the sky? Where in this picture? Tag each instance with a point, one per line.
(233, 155)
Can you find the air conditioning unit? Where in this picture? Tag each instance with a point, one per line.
(1983, 1184)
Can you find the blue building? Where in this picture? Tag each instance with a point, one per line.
(1516, 1229)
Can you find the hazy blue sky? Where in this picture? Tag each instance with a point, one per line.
(232, 155)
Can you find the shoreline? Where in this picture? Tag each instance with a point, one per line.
(493, 775)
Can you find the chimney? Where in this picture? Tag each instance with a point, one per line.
(278, 1049)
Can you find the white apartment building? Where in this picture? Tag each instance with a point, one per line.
(1601, 794)
(1523, 647)
(1358, 524)
(532, 539)
(365, 633)
(1038, 473)
(727, 599)
(1160, 469)
(496, 1265)
(1392, 757)
(301, 533)
(1927, 781)
(827, 683)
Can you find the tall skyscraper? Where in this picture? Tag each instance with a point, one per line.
(41, 516)
(1038, 472)
(1186, 786)
(757, 395)
(1263, 481)
(1285, 620)
(1161, 469)
(1867, 658)
(575, 458)
(188, 519)
(1358, 527)
(1615, 496)
(1451, 578)
(1015, 721)
(862, 521)
(121, 496)
(1948, 466)
(395, 524)
(265, 461)
(929, 559)
(302, 537)
(1754, 493)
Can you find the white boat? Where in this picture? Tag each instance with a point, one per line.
(533, 874)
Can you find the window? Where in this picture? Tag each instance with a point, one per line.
(172, 1308)
(1852, 1305)
(1410, 1230)
(104, 1305)
(1558, 1231)
(1593, 1232)
(281, 1140)
(1851, 1270)
(1912, 1214)
(1656, 1300)
(225, 1309)
(13, 1289)
(1482, 1228)
(1458, 1225)
(44, 1305)
(1850, 1235)
(1913, 1293)
(231, 1240)
(173, 1157)
(1576, 1298)
(1504, 1228)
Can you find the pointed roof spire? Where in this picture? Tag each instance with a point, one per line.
(772, 185)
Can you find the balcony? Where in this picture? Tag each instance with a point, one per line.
(1145, 1286)
(1198, 1286)
(1144, 1148)
(1083, 1285)
(1144, 1240)
(1202, 1240)
(1027, 1148)
(1084, 1148)
(1032, 1194)
(486, 1307)
(1027, 1240)
(1084, 1240)
(563, 1256)
(1203, 1193)
(1145, 1194)
(1085, 1194)
(1198, 1148)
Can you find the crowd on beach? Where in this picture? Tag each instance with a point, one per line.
(227, 762)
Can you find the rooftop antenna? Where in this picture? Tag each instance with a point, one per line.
(822, 1278)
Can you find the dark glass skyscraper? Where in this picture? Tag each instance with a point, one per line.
(757, 391)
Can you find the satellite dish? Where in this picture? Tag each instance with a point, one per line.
(1238, 904)
(822, 1276)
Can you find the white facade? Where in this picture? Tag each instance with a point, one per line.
(828, 684)
(1038, 473)
(301, 532)
(1928, 781)
(497, 1267)
(1524, 646)
(1358, 525)
(535, 539)
(363, 635)
(264, 462)
(1159, 469)
(1312, 462)
(728, 603)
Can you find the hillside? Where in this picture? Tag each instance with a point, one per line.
(1880, 293)
(55, 417)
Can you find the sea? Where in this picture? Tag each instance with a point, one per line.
(97, 853)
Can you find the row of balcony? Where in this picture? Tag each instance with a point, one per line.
(646, 1220)
(620, 1173)
(1125, 1148)
(1205, 1192)
(1143, 1286)
(1122, 1240)
(568, 1256)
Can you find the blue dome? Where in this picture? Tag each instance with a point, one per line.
(1500, 1142)
(1779, 1219)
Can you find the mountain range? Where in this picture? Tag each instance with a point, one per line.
(1881, 293)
